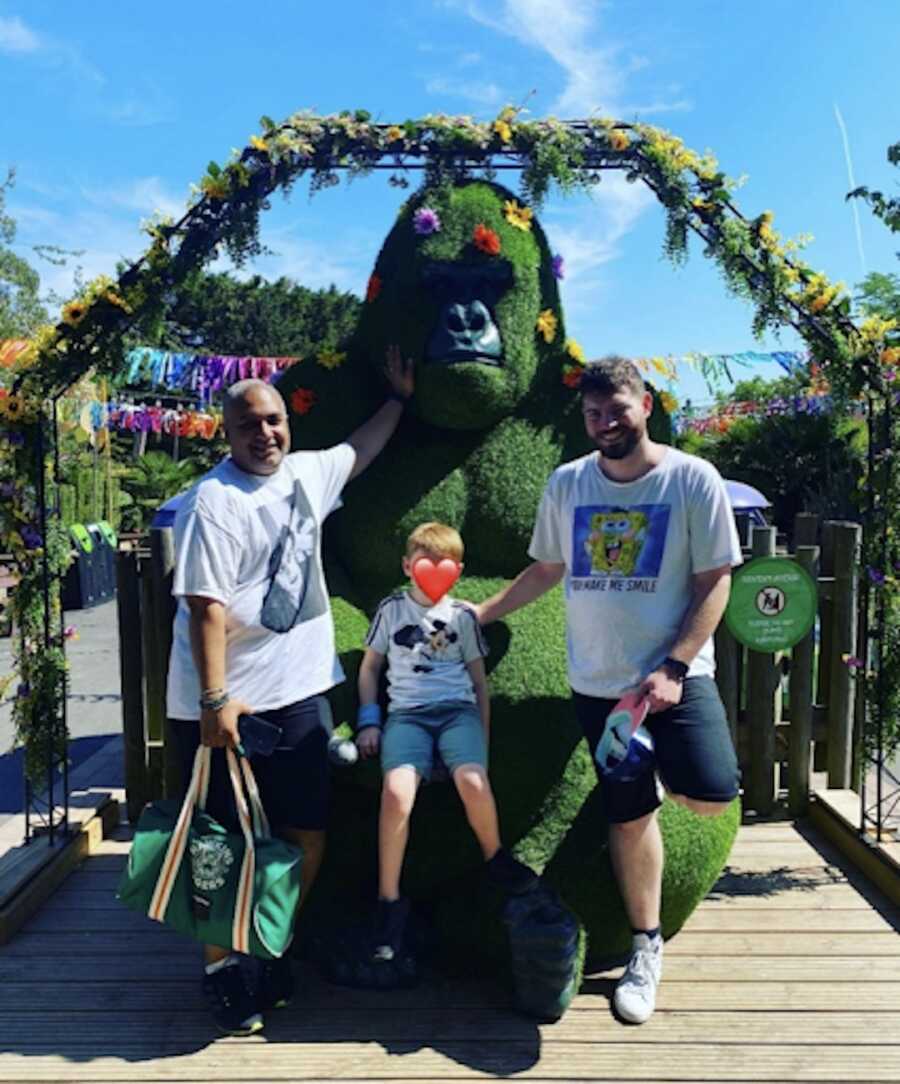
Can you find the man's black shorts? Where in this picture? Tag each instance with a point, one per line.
(294, 782)
(694, 753)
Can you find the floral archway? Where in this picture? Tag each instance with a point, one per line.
(756, 263)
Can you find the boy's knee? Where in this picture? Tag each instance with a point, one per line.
(471, 781)
(632, 829)
(397, 797)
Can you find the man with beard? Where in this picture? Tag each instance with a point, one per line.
(645, 538)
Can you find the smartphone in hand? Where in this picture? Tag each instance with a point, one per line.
(258, 736)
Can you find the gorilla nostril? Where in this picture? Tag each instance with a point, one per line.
(455, 320)
(476, 320)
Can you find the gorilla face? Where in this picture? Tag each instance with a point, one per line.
(466, 295)
(467, 314)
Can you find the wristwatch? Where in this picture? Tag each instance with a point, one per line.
(677, 668)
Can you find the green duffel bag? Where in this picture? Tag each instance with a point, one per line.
(238, 891)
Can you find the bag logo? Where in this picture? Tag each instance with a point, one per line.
(210, 859)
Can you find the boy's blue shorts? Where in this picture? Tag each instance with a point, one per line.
(412, 737)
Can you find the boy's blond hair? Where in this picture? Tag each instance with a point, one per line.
(437, 539)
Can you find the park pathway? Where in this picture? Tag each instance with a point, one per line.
(790, 971)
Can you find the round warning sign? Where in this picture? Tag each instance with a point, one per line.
(772, 605)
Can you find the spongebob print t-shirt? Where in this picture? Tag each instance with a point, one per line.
(253, 543)
(630, 550)
(427, 648)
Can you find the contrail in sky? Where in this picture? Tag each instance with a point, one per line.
(853, 204)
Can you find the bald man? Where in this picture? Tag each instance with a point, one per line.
(254, 634)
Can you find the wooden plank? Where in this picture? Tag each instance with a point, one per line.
(313, 994)
(27, 885)
(764, 943)
(155, 966)
(792, 920)
(264, 1058)
(594, 1025)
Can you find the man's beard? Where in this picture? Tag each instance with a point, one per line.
(623, 446)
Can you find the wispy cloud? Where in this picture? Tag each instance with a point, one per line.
(146, 195)
(589, 236)
(471, 90)
(16, 37)
(596, 77)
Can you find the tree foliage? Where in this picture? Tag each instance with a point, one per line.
(21, 310)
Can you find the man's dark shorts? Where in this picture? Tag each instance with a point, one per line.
(694, 753)
(294, 782)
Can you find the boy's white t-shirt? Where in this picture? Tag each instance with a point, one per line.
(427, 648)
(253, 543)
(630, 550)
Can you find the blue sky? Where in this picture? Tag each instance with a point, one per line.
(108, 111)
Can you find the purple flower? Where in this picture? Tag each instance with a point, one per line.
(7, 489)
(426, 221)
(558, 265)
(876, 575)
(15, 438)
(70, 632)
(23, 690)
(31, 536)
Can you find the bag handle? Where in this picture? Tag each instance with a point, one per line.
(257, 827)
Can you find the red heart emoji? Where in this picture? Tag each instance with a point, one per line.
(435, 580)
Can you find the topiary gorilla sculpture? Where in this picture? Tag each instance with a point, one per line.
(465, 284)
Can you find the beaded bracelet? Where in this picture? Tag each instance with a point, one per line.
(213, 703)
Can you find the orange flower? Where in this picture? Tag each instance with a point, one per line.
(619, 140)
(373, 289)
(486, 240)
(302, 400)
(571, 376)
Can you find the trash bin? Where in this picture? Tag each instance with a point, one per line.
(80, 584)
(104, 556)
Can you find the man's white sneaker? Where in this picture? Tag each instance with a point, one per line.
(635, 996)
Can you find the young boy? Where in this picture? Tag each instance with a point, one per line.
(439, 707)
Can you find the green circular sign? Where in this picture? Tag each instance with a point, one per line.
(772, 605)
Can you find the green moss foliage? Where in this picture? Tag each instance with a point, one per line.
(475, 451)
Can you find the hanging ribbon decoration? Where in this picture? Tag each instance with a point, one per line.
(201, 374)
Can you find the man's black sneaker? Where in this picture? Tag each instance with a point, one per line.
(276, 983)
(510, 875)
(233, 1008)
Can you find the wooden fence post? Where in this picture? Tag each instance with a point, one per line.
(131, 673)
(162, 563)
(763, 704)
(823, 674)
(845, 617)
(801, 702)
(728, 673)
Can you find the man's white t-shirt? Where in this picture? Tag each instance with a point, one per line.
(427, 648)
(630, 550)
(253, 543)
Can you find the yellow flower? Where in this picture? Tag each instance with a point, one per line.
(664, 367)
(547, 324)
(574, 350)
(668, 402)
(619, 140)
(73, 313)
(214, 187)
(874, 328)
(114, 299)
(258, 143)
(503, 130)
(517, 216)
(14, 407)
(394, 133)
(331, 359)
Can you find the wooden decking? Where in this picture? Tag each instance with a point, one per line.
(790, 971)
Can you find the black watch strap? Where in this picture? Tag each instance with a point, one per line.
(398, 397)
(677, 667)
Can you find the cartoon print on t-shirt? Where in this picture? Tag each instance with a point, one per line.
(438, 640)
(296, 592)
(616, 541)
